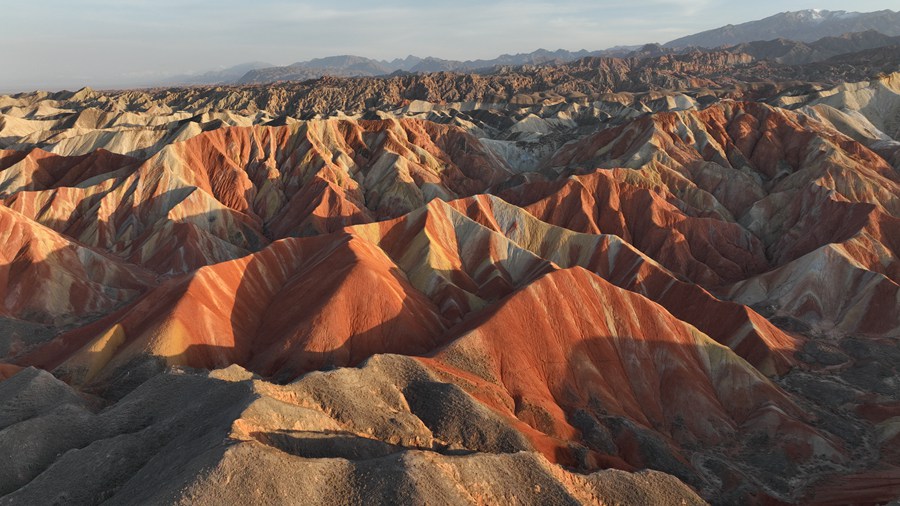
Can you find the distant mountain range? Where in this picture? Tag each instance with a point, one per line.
(357, 66)
(217, 76)
(804, 26)
(792, 52)
(789, 38)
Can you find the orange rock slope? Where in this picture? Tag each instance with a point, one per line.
(226, 192)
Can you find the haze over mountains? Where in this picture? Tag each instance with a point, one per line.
(355, 66)
(226, 75)
(791, 37)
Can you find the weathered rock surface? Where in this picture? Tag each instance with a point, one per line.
(647, 280)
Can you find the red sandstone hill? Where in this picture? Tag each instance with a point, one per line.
(39, 170)
(227, 192)
(743, 190)
(364, 304)
(571, 354)
(49, 279)
(398, 286)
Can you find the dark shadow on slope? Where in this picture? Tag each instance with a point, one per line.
(267, 342)
(298, 217)
(723, 445)
(122, 241)
(327, 445)
(144, 234)
(77, 455)
(275, 333)
(602, 430)
(55, 171)
(754, 461)
(46, 290)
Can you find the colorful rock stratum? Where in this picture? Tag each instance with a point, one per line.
(485, 293)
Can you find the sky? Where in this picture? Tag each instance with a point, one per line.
(56, 44)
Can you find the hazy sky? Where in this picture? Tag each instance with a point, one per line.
(52, 44)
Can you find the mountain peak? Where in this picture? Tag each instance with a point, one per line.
(805, 26)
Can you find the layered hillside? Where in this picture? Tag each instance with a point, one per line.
(551, 285)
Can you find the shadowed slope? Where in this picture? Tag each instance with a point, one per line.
(749, 163)
(736, 191)
(750, 335)
(463, 256)
(640, 210)
(225, 435)
(578, 359)
(228, 191)
(39, 170)
(47, 278)
(296, 306)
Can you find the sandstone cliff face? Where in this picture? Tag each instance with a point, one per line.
(548, 285)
